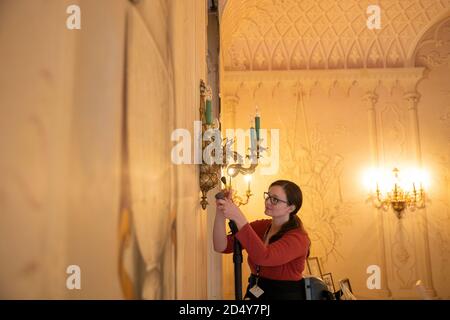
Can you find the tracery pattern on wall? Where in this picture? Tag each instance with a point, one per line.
(326, 211)
(306, 158)
(438, 222)
(403, 257)
(326, 34)
(433, 52)
(394, 129)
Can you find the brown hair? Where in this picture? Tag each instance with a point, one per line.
(294, 197)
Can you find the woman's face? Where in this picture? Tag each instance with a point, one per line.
(281, 208)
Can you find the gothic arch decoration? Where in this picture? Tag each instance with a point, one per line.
(434, 46)
(328, 34)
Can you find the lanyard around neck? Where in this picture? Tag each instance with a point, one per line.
(258, 268)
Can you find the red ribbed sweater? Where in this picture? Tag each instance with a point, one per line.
(283, 259)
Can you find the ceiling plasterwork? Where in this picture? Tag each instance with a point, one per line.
(325, 34)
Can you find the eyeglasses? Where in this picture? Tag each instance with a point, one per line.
(273, 200)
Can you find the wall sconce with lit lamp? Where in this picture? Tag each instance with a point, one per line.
(256, 149)
(232, 171)
(211, 171)
(396, 191)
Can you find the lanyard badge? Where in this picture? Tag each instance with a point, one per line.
(256, 290)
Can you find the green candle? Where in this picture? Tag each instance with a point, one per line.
(208, 112)
(252, 139)
(257, 123)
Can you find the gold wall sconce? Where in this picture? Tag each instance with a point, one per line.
(221, 156)
(400, 192)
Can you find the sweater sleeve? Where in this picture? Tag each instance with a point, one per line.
(230, 244)
(230, 238)
(292, 245)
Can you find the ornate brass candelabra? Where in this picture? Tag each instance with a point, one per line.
(398, 198)
(220, 157)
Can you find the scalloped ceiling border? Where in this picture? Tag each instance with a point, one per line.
(369, 79)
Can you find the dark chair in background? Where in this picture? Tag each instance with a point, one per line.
(317, 289)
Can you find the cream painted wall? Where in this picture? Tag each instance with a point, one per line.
(214, 258)
(188, 40)
(178, 230)
(95, 157)
(434, 116)
(61, 107)
(35, 131)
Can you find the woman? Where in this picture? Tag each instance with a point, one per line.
(277, 248)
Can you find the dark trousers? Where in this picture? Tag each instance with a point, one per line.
(277, 289)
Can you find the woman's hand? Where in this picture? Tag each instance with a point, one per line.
(220, 202)
(231, 211)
